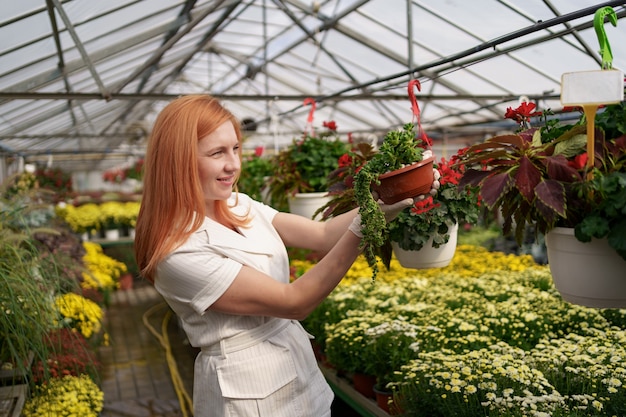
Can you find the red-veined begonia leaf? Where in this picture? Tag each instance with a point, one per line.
(507, 140)
(558, 169)
(552, 194)
(527, 135)
(472, 177)
(526, 178)
(494, 187)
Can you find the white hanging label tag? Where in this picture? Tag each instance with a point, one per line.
(592, 87)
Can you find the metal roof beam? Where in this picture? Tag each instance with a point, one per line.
(156, 56)
(44, 78)
(259, 97)
(328, 23)
(159, 86)
(583, 44)
(201, 44)
(81, 48)
(489, 45)
(61, 65)
(311, 35)
(185, 13)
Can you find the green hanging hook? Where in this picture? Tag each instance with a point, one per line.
(605, 47)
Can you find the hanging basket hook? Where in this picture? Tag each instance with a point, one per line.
(605, 47)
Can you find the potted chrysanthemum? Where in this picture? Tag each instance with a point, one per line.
(66, 396)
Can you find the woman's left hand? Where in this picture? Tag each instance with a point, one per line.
(391, 211)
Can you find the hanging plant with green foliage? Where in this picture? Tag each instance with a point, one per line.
(399, 149)
(304, 166)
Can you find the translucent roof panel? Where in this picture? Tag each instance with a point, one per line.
(84, 80)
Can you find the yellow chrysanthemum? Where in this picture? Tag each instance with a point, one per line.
(66, 397)
(103, 272)
(80, 313)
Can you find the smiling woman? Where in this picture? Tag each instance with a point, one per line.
(219, 163)
(219, 259)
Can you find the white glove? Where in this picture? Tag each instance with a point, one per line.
(390, 211)
(436, 184)
(355, 226)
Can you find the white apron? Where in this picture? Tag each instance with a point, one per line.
(269, 371)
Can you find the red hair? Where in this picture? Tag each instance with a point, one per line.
(173, 206)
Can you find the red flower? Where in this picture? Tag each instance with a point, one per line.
(521, 114)
(579, 161)
(449, 173)
(345, 160)
(331, 125)
(70, 354)
(258, 151)
(427, 204)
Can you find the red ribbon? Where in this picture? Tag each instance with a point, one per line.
(416, 110)
(414, 107)
(309, 120)
(310, 101)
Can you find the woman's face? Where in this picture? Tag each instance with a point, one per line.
(218, 163)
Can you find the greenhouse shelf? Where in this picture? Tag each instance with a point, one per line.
(364, 406)
(12, 400)
(117, 242)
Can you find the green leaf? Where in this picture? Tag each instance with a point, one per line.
(571, 147)
(592, 227)
(616, 237)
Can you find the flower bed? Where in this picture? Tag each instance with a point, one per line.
(49, 328)
(487, 335)
(66, 397)
(92, 217)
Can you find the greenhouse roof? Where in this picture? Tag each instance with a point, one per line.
(81, 81)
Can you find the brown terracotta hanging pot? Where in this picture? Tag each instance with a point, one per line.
(407, 182)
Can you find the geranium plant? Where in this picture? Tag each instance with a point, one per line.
(539, 176)
(56, 180)
(118, 175)
(434, 216)
(341, 180)
(256, 170)
(304, 165)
